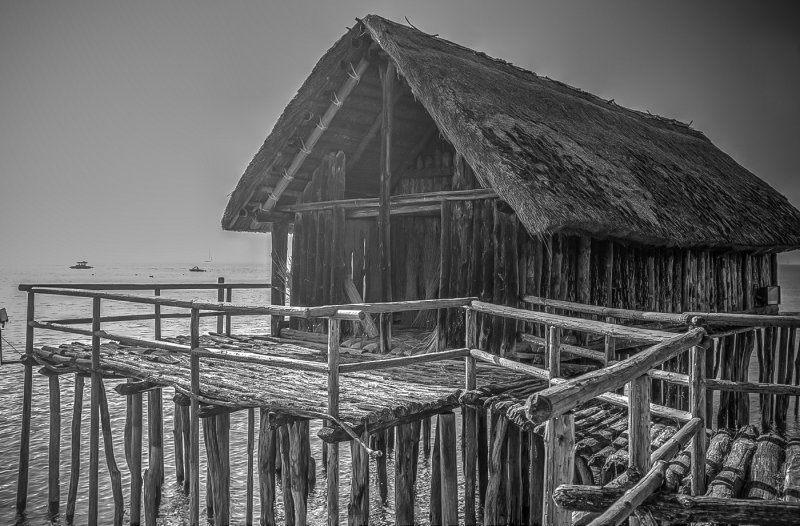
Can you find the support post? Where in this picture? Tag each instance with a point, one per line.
(266, 469)
(157, 320)
(470, 422)
(358, 510)
(697, 406)
(610, 346)
(384, 226)
(220, 298)
(54, 449)
(75, 450)
(639, 428)
(334, 326)
(94, 423)
(448, 471)
(134, 457)
(559, 439)
(27, 396)
(404, 474)
(251, 429)
(194, 469)
(278, 274)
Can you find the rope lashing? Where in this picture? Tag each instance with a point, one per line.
(353, 74)
(321, 125)
(336, 100)
(304, 148)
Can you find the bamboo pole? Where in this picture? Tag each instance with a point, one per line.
(75, 449)
(27, 398)
(194, 469)
(334, 330)
(54, 448)
(94, 423)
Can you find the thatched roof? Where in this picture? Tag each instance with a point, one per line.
(565, 160)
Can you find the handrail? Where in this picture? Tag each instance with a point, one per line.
(144, 286)
(628, 314)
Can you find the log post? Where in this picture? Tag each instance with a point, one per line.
(436, 481)
(248, 516)
(493, 510)
(94, 423)
(297, 471)
(157, 320)
(380, 466)
(177, 436)
(108, 446)
(266, 469)
(449, 470)
(697, 406)
(559, 440)
(445, 256)
(384, 226)
(194, 469)
(404, 474)
(639, 428)
(358, 510)
(610, 345)
(133, 456)
(334, 327)
(54, 449)
(154, 472)
(280, 243)
(284, 442)
(470, 421)
(75, 450)
(27, 398)
(220, 298)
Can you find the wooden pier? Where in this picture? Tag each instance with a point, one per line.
(535, 445)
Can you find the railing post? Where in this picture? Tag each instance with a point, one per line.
(27, 400)
(610, 345)
(697, 406)
(639, 428)
(220, 298)
(94, 423)
(194, 470)
(470, 421)
(229, 299)
(559, 439)
(334, 326)
(157, 308)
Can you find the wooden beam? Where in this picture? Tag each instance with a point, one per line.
(365, 203)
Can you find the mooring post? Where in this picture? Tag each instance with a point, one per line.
(194, 469)
(334, 326)
(697, 406)
(220, 298)
(470, 416)
(54, 449)
(75, 450)
(559, 441)
(94, 423)
(27, 395)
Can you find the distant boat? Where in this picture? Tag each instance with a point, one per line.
(196, 269)
(81, 265)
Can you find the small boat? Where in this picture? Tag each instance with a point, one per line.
(196, 269)
(81, 265)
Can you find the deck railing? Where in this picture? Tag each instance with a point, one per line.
(552, 405)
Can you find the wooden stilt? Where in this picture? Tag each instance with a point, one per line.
(639, 429)
(266, 469)
(404, 476)
(186, 429)
(94, 422)
(358, 510)
(108, 446)
(493, 505)
(194, 470)
(536, 488)
(133, 457)
(177, 438)
(153, 474)
(697, 406)
(380, 467)
(75, 450)
(54, 449)
(248, 516)
(436, 480)
(286, 475)
(426, 437)
(334, 332)
(449, 470)
(483, 461)
(514, 474)
(298, 471)
(470, 429)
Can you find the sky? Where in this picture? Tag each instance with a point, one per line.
(124, 125)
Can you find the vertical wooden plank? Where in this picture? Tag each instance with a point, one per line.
(470, 421)
(75, 450)
(697, 406)
(94, 422)
(449, 470)
(333, 410)
(220, 298)
(194, 469)
(54, 448)
(266, 469)
(559, 445)
(404, 474)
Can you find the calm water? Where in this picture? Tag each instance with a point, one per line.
(174, 503)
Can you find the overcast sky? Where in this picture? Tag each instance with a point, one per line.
(124, 125)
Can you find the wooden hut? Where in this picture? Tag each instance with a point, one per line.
(409, 167)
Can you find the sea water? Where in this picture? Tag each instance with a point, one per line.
(174, 504)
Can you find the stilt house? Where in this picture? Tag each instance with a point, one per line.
(409, 167)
